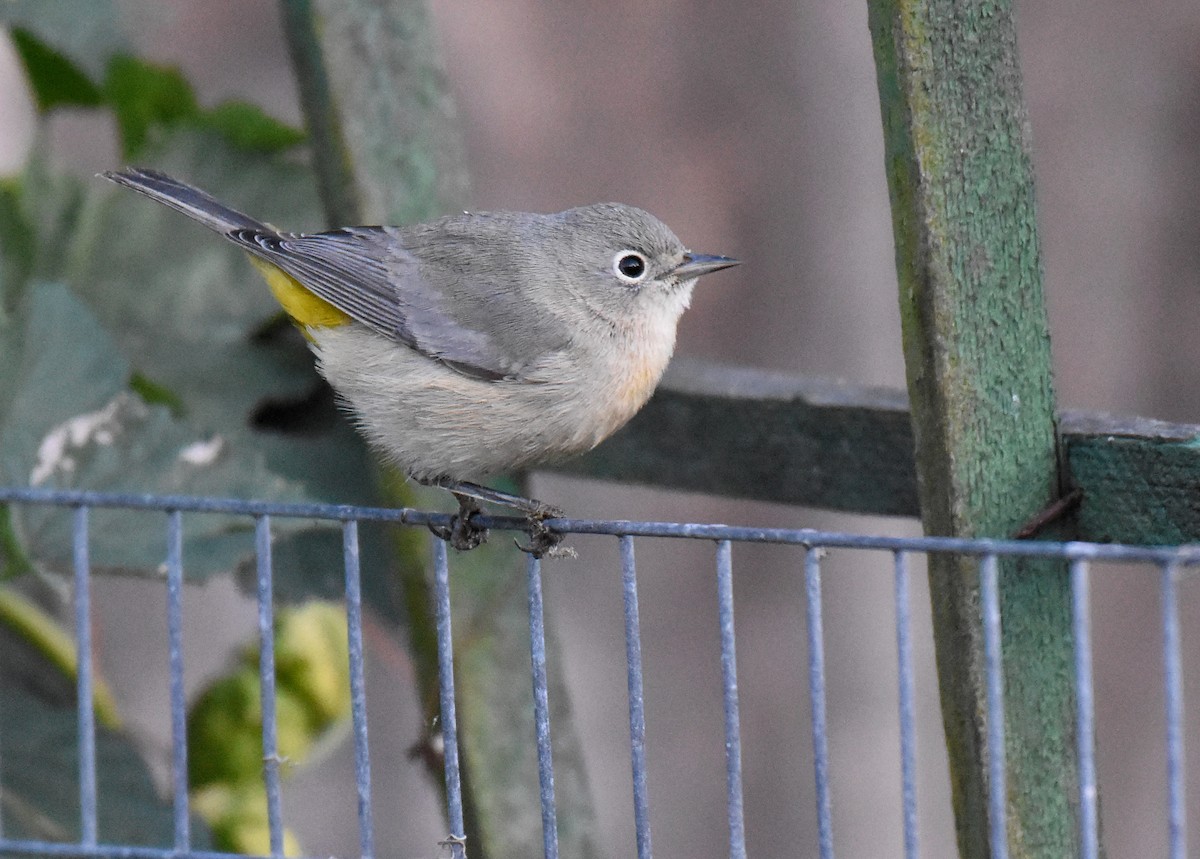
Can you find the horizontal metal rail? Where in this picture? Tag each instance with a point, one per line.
(1166, 562)
(1186, 555)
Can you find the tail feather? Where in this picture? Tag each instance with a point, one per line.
(189, 200)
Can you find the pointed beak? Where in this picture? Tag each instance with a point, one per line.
(694, 265)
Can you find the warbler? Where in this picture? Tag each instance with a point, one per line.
(477, 343)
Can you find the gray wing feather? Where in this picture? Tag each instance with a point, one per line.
(448, 307)
(366, 273)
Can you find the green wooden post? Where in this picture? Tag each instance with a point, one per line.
(977, 353)
(387, 150)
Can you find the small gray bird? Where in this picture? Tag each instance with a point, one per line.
(476, 343)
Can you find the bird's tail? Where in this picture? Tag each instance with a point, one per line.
(193, 202)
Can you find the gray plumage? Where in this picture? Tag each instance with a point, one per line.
(480, 342)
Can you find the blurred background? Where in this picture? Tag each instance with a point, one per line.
(753, 130)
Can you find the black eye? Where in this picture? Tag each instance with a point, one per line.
(630, 265)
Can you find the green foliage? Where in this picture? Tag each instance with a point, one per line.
(154, 394)
(32, 636)
(312, 693)
(59, 364)
(144, 95)
(151, 100)
(312, 659)
(104, 295)
(225, 730)
(55, 80)
(67, 419)
(18, 244)
(237, 817)
(248, 128)
(41, 772)
(225, 752)
(14, 563)
(137, 354)
(44, 209)
(147, 99)
(86, 34)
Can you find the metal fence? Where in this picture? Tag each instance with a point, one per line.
(1170, 562)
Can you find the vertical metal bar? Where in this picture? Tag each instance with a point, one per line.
(989, 574)
(637, 712)
(1173, 694)
(2, 789)
(816, 693)
(541, 707)
(445, 646)
(908, 731)
(86, 710)
(733, 729)
(358, 688)
(1085, 724)
(179, 774)
(266, 674)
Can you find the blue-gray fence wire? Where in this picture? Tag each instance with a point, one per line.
(1080, 556)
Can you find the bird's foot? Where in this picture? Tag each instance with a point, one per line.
(543, 540)
(463, 533)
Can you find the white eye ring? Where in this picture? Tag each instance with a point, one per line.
(627, 261)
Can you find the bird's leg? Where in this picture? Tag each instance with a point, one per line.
(529, 506)
(542, 539)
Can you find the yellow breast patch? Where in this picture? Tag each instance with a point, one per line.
(305, 309)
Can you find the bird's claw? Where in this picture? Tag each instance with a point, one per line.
(462, 533)
(543, 540)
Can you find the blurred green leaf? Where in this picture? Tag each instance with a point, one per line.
(184, 301)
(55, 80)
(248, 127)
(58, 363)
(14, 563)
(66, 420)
(238, 820)
(187, 311)
(150, 99)
(34, 646)
(43, 208)
(41, 779)
(127, 446)
(187, 307)
(18, 245)
(88, 34)
(154, 394)
(224, 729)
(145, 96)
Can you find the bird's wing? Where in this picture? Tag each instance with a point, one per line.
(369, 274)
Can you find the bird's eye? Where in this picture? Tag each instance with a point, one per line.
(630, 266)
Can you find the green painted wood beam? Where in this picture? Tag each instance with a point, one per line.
(376, 101)
(768, 436)
(745, 433)
(977, 358)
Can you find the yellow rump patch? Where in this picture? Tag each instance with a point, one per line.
(305, 309)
